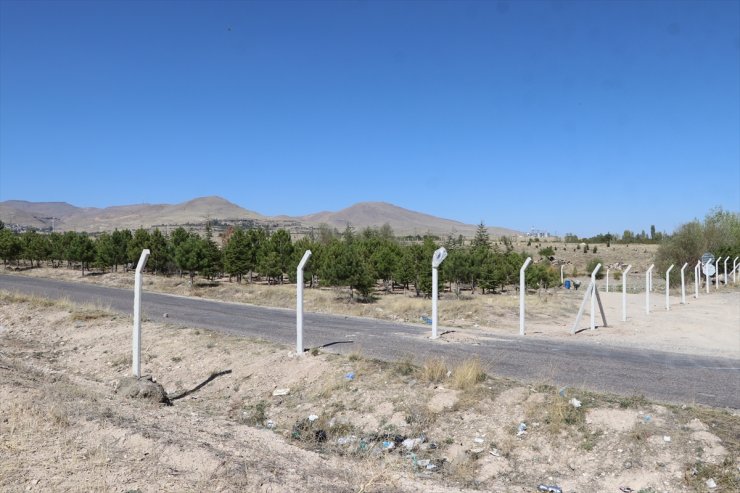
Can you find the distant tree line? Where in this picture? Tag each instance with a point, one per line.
(364, 261)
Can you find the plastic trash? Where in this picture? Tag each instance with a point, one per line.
(575, 403)
(478, 440)
(426, 320)
(350, 376)
(647, 418)
(422, 463)
(562, 391)
(270, 424)
(666, 438)
(313, 417)
(550, 489)
(522, 430)
(387, 444)
(711, 483)
(412, 443)
(626, 489)
(278, 392)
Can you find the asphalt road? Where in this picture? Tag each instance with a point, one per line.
(663, 376)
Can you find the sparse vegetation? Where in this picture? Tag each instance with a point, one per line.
(467, 373)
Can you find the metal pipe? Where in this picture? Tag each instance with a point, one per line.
(593, 296)
(648, 275)
(716, 273)
(734, 270)
(607, 280)
(697, 278)
(299, 303)
(522, 291)
(136, 346)
(624, 292)
(683, 284)
(668, 287)
(439, 255)
(726, 259)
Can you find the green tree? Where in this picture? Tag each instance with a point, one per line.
(190, 255)
(82, 250)
(35, 247)
(343, 265)
(384, 261)
(236, 255)
(120, 240)
(105, 251)
(10, 246)
(161, 252)
(140, 241)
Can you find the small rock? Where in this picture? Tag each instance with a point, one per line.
(627, 464)
(478, 440)
(575, 403)
(711, 484)
(278, 392)
(422, 462)
(477, 451)
(312, 417)
(666, 438)
(270, 424)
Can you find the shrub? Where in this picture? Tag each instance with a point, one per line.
(547, 251)
(592, 265)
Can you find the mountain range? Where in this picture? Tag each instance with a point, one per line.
(61, 216)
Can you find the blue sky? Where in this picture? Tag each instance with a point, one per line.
(579, 117)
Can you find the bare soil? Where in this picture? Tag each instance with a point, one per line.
(278, 422)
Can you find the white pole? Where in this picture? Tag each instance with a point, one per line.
(726, 259)
(593, 296)
(561, 274)
(697, 278)
(683, 284)
(648, 275)
(668, 287)
(299, 303)
(136, 356)
(716, 273)
(439, 255)
(706, 267)
(624, 293)
(522, 291)
(607, 280)
(734, 270)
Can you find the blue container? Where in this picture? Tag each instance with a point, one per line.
(567, 284)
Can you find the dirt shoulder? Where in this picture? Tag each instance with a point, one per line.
(321, 422)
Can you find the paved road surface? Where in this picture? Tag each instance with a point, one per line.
(669, 377)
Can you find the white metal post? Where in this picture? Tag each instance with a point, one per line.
(439, 255)
(607, 280)
(299, 303)
(697, 278)
(648, 275)
(683, 284)
(734, 270)
(726, 259)
(561, 274)
(668, 287)
(522, 291)
(593, 296)
(624, 292)
(706, 273)
(136, 356)
(716, 272)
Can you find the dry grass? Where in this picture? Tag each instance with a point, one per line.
(468, 373)
(434, 370)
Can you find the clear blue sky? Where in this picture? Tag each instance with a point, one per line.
(520, 114)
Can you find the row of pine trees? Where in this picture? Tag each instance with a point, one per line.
(365, 261)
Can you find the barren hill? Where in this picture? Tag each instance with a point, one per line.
(66, 217)
(403, 221)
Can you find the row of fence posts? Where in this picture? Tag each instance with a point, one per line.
(438, 257)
